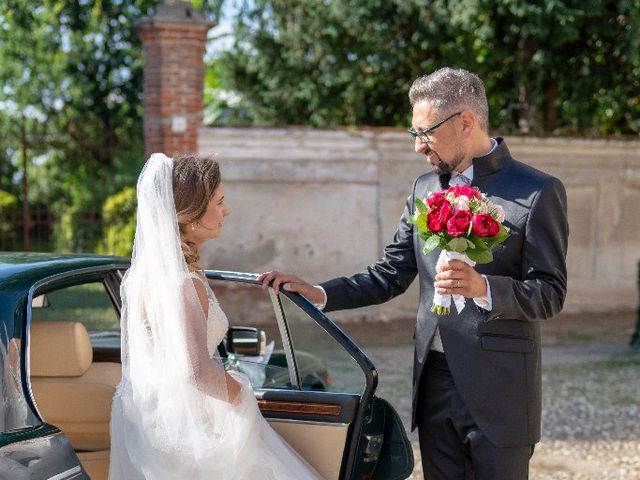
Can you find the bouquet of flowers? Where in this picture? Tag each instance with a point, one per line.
(465, 225)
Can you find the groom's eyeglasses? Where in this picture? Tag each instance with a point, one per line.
(423, 135)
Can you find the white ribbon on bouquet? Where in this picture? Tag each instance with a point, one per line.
(444, 301)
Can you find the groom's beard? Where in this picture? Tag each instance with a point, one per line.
(441, 167)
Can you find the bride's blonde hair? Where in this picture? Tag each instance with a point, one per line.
(195, 179)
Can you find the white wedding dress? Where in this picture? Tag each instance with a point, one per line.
(172, 417)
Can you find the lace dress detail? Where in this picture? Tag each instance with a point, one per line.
(217, 325)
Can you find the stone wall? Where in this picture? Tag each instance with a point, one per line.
(322, 203)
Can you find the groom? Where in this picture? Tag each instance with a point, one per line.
(476, 375)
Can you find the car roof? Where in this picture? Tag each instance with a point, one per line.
(19, 271)
(22, 269)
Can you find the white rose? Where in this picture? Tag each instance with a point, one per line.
(461, 203)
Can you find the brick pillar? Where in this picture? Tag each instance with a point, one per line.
(174, 43)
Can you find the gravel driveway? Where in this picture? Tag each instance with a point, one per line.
(591, 394)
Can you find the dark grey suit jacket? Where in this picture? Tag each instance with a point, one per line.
(494, 356)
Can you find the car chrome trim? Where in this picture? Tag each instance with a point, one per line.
(286, 340)
(28, 433)
(235, 276)
(68, 474)
(307, 422)
(112, 282)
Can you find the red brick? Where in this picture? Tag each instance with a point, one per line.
(173, 83)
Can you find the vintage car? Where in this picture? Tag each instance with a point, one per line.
(59, 366)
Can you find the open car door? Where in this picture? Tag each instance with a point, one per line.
(312, 382)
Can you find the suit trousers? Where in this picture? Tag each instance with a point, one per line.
(451, 444)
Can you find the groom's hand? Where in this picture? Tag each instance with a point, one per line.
(292, 283)
(459, 278)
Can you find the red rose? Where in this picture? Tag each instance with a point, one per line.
(436, 199)
(458, 224)
(470, 192)
(438, 216)
(484, 225)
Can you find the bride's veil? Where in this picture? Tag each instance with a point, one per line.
(169, 382)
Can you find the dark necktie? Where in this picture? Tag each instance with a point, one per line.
(444, 180)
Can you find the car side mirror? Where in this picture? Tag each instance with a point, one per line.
(247, 341)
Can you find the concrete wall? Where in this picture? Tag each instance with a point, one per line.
(322, 203)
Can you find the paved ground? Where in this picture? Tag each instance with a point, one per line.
(591, 394)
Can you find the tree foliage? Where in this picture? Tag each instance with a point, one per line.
(75, 69)
(70, 105)
(552, 66)
(119, 214)
(8, 209)
(71, 76)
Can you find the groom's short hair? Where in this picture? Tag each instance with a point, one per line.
(451, 90)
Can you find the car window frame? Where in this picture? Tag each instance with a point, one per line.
(56, 282)
(285, 334)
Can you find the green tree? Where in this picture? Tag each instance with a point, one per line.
(8, 209)
(330, 63)
(119, 213)
(72, 78)
(550, 66)
(562, 66)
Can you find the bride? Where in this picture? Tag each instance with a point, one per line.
(176, 413)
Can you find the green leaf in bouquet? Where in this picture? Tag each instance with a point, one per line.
(480, 255)
(431, 243)
(457, 244)
(503, 234)
(478, 242)
(420, 205)
(421, 222)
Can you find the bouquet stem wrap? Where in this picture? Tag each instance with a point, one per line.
(442, 303)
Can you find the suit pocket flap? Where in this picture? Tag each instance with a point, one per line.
(504, 343)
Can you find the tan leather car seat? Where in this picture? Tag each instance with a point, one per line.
(73, 393)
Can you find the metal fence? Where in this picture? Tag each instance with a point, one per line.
(44, 231)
